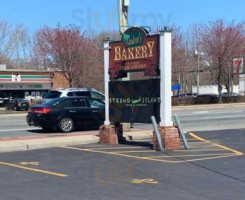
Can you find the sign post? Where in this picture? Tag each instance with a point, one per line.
(107, 131)
(165, 76)
(106, 79)
(136, 101)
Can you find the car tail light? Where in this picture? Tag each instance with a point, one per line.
(41, 110)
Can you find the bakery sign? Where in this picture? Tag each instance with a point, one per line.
(137, 51)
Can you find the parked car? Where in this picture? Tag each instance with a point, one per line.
(73, 92)
(67, 114)
(17, 104)
(4, 102)
(207, 95)
(231, 94)
(1, 102)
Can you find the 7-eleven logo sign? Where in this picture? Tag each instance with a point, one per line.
(238, 65)
(16, 78)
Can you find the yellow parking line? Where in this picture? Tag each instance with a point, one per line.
(209, 158)
(148, 158)
(213, 156)
(149, 151)
(215, 144)
(33, 169)
(111, 148)
(196, 155)
(118, 154)
(198, 150)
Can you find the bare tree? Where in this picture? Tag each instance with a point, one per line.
(179, 58)
(15, 45)
(72, 53)
(221, 41)
(7, 39)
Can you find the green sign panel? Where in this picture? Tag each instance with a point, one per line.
(134, 37)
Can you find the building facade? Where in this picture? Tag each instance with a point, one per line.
(25, 83)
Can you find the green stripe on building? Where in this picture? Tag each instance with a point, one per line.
(5, 76)
(34, 76)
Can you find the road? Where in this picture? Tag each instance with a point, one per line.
(209, 170)
(213, 117)
(193, 118)
(213, 168)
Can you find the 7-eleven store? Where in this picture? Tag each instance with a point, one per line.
(25, 83)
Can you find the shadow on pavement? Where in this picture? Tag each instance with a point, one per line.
(137, 143)
(56, 131)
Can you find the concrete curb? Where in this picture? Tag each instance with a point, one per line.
(42, 143)
(23, 144)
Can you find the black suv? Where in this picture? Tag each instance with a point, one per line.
(67, 114)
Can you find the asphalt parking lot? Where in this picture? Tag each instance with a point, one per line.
(212, 169)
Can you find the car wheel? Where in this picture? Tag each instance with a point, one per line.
(66, 125)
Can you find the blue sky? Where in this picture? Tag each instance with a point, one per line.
(102, 15)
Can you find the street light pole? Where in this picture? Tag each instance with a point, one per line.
(123, 6)
(198, 69)
(123, 15)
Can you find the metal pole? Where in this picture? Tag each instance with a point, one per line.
(182, 134)
(159, 138)
(123, 15)
(123, 21)
(231, 83)
(198, 69)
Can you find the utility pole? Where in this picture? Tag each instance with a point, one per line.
(123, 6)
(197, 53)
(198, 70)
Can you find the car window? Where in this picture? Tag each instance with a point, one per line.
(95, 103)
(52, 95)
(78, 103)
(83, 93)
(70, 94)
(96, 95)
(59, 103)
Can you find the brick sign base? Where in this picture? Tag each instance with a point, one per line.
(170, 138)
(108, 135)
(112, 134)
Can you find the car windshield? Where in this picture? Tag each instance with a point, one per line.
(96, 95)
(52, 95)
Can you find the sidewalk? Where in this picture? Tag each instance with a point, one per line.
(204, 106)
(50, 141)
